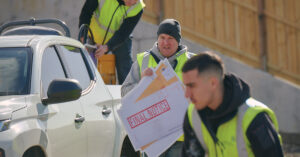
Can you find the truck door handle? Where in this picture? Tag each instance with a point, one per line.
(79, 118)
(106, 111)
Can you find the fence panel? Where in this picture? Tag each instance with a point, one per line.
(233, 27)
(283, 28)
(152, 11)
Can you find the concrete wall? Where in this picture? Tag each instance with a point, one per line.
(66, 10)
(281, 96)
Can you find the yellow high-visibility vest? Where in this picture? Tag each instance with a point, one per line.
(103, 14)
(146, 60)
(231, 135)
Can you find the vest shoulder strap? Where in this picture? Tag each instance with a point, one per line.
(143, 60)
(240, 139)
(157, 60)
(197, 126)
(246, 113)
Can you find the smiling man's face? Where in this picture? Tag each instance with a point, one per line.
(167, 45)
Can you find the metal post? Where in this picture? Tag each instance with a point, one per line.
(262, 35)
(161, 11)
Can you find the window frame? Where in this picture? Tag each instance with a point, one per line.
(86, 61)
(41, 72)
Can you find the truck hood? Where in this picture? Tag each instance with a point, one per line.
(9, 104)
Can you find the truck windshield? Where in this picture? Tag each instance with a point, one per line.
(15, 65)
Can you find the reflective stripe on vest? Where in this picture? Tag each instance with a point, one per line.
(146, 60)
(233, 132)
(197, 126)
(103, 14)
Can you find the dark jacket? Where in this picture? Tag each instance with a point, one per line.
(120, 35)
(261, 133)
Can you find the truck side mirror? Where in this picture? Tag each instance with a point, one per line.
(62, 90)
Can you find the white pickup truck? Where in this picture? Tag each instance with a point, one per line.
(53, 102)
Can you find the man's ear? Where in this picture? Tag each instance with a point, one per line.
(214, 82)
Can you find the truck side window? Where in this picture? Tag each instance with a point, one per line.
(51, 68)
(76, 64)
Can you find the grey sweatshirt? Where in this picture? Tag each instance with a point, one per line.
(134, 75)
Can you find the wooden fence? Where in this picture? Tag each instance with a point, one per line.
(262, 33)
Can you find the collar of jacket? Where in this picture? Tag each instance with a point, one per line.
(181, 49)
(121, 2)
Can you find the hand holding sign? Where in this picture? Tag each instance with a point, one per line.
(153, 111)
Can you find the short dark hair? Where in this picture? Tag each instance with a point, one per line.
(205, 61)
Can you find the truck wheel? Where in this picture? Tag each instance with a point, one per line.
(34, 152)
(128, 150)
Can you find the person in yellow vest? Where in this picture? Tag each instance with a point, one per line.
(167, 46)
(223, 120)
(112, 22)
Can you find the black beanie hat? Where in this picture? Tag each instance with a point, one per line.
(170, 27)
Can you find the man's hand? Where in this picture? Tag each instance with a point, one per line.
(81, 40)
(101, 50)
(147, 72)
